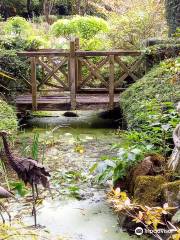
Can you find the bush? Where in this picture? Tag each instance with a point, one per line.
(138, 22)
(17, 67)
(148, 106)
(20, 43)
(8, 117)
(17, 26)
(83, 27)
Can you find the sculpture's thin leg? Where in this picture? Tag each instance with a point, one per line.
(2, 217)
(37, 193)
(6, 212)
(50, 192)
(34, 205)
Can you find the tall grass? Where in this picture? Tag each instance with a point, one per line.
(4, 173)
(35, 147)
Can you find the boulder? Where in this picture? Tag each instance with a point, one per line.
(176, 218)
(148, 189)
(171, 193)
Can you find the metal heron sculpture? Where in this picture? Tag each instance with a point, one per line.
(5, 194)
(28, 170)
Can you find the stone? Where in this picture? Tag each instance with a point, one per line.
(152, 165)
(176, 217)
(171, 193)
(148, 189)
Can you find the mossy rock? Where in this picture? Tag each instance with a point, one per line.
(147, 190)
(8, 119)
(171, 193)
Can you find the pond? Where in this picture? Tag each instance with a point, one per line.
(79, 210)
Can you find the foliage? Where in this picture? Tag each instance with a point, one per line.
(154, 117)
(137, 23)
(35, 146)
(20, 43)
(8, 120)
(154, 126)
(17, 26)
(86, 28)
(116, 168)
(16, 67)
(19, 188)
(149, 217)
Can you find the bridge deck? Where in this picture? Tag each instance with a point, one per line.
(63, 102)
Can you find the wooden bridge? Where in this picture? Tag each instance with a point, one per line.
(73, 79)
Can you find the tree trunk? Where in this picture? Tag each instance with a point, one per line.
(172, 15)
(47, 8)
(78, 7)
(174, 162)
(29, 10)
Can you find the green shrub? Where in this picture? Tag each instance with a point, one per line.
(8, 120)
(64, 28)
(138, 22)
(148, 107)
(83, 27)
(17, 26)
(89, 27)
(17, 66)
(20, 43)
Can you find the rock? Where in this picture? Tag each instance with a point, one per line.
(152, 165)
(70, 114)
(126, 223)
(176, 217)
(171, 193)
(147, 190)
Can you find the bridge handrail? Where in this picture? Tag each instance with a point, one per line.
(79, 53)
(75, 58)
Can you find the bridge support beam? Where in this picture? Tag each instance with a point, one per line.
(33, 83)
(72, 74)
(111, 82)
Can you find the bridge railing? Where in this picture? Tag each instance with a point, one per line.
(64, 70)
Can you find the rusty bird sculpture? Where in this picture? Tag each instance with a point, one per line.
(5, 194)
(28, 170)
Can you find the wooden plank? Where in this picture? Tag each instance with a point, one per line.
(81, 53)
(94, 71)
(44, 53)
(55, 69)
(128, 72)
(78, 65)
(89, 77)
(72, 75)
(98, 90)
(48, 69)
(60, 69)
(33, 83)
(111, 82)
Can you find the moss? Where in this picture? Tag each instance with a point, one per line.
(147, 190)
(171, 193)
(8, 117)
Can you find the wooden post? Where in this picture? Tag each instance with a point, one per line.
(72, 75)
(111, 82)
(33, 83)
(78, 65)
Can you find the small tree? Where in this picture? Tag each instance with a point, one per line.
(173, 15)
(47, 8)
